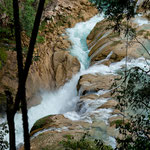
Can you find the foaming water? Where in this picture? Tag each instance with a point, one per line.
(64, 100)
(141, 21)
(78, 35)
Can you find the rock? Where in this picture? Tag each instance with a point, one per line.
(109, 104)
(92, 83)
(116, 112)
(90, 96)
(101, 42)
(65, 66)
(113, 119)
(106, 95)
(45, 72)
(58, 129)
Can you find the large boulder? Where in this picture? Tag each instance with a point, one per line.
(65, 66)
(94, 82)
(102, 42)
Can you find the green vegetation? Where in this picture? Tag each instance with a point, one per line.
(27, 16)
(116, 43)
(140, 32)
(133, 96)
(85, 143)
(42, 123)
(3, 132)
(117, 123)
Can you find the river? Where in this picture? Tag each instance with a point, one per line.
(65, 99)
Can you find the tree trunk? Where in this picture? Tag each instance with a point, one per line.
(11, 125)
(25, 120)
(10, 119)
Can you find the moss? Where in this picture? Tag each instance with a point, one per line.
(113, 35)
(147, 35)
(40, 39)
(141, 32)
(116, 43)
(42, 123)
(117, 123)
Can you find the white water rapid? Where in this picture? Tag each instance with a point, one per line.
(64, 100)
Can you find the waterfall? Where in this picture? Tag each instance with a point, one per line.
(64, 100)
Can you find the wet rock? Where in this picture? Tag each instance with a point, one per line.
(90, 96)
(113, 120)
(109, 104)
(55, 121)
(65, 66)
(101, 42)
(116, 112)
(92, 83)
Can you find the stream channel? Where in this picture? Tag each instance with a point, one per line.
(64, 100)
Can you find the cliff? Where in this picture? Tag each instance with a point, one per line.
(52, 63)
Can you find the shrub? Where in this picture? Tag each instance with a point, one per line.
(27, 16)
(3, 132)
(85, 143)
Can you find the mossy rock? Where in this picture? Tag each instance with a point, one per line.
(117, 123)
(41, 124)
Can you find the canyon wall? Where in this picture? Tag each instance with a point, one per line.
(52, 63)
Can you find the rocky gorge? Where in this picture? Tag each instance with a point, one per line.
(76, 90)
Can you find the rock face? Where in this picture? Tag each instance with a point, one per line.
(52, 65)
(58, 128)
(102, 42)
(65, 66)
(93, 83)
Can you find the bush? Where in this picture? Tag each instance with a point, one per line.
(3, 132)
(133, 96)
(85, 143)
(27, 16)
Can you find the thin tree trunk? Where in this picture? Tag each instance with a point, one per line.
(25, 120)
(10, 119)
(22, 75)
(11, 124)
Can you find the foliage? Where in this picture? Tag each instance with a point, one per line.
(6, 19)
(84, 144)
(6, 8)
(136, 90)
(27, 16)
(3, 133)
(133, 96)
(134, 93)
(116, 10)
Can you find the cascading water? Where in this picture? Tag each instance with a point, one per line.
(77, 36)
(64, 100)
